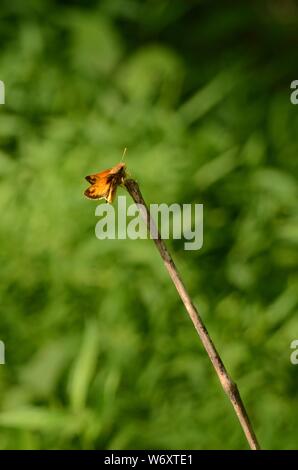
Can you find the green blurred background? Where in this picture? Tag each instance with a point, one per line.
(99, 351)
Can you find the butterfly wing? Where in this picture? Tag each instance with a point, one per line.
(93, 179)
(99, 185)
(112, 192)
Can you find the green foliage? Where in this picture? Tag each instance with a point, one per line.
(99, 351)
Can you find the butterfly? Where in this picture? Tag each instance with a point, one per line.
(104, 184)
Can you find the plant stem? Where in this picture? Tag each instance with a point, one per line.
(227, 383)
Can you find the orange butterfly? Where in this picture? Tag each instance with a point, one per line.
(104, 184)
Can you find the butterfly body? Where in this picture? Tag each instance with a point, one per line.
(104, 184)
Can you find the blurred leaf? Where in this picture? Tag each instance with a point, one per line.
(84, 367)
(152, 73)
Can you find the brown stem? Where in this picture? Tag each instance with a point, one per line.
(227, 383)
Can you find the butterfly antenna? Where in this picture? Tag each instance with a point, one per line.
(124, 152)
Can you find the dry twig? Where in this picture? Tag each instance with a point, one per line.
(227, 383)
